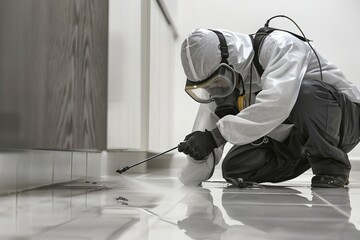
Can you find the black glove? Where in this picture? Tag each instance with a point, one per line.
(198, 145)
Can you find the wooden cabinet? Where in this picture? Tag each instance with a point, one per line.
(53, 73)
(86, 74)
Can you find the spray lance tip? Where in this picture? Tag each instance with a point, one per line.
(122, 170)
(147, 159)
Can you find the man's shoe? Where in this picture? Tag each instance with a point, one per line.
(329, 181)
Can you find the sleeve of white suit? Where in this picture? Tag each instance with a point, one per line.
(195, 172)
(285, 60)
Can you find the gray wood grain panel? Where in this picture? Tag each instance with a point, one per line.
(59, 70)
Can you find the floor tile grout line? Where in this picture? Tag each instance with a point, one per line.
(53, 168)
(175, 204)
(334, 206)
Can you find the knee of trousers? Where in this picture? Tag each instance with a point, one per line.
(232, 166)
(233, 169)
(242, 161)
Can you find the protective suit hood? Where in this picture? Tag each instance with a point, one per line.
(201, 56)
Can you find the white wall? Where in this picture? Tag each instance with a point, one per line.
(162, 44)
(125, 110)
(141, 50)
(332, 24)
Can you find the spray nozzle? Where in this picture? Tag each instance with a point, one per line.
(145, 160)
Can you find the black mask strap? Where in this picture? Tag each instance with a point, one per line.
(222, 46)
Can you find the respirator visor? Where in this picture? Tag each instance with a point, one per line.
(219, 85)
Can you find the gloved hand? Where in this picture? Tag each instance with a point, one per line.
(198, 145)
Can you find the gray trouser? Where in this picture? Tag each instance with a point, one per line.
(326, 128)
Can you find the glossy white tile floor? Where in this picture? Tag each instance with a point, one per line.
(157, 206)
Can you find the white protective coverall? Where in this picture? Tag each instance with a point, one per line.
(286, 61)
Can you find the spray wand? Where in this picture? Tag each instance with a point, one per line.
(145, 160)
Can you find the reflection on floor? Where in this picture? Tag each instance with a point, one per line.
(157, 206)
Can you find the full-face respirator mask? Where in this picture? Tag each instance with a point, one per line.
(225, 86)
